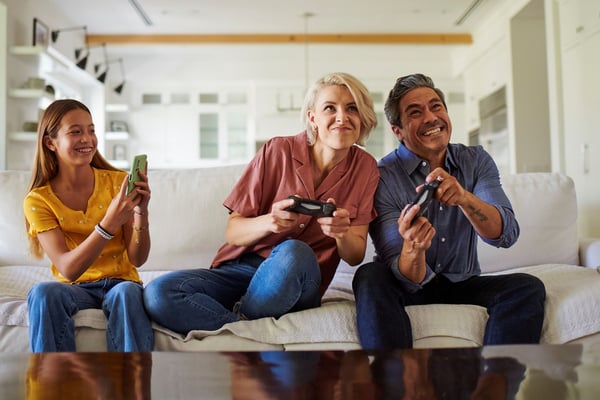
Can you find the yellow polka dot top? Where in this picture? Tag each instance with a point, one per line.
(44, 211)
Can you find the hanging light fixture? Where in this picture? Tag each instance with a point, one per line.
(98, 67)
(54, 34)
(82, 54)
(119, 88)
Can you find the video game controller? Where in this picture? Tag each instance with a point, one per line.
(424, 197)
(314, 208)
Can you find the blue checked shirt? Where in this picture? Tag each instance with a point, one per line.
(453, 252)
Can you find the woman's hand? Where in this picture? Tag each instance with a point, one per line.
(336, 226)
(281, 220)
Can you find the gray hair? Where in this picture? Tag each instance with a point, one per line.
(360, 94)
(404, 85)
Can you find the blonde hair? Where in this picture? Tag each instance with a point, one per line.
(45, 162)
(360, 94)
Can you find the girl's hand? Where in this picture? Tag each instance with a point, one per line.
(142, 191)
(121, 208)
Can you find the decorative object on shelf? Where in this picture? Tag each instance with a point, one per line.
(119, 152)
(34, 82)
(54, 34)
(41, 33)
(118, 126)
(30, 126)
(82, 54)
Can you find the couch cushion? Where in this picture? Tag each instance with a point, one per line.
(545, 205)
(187, 216)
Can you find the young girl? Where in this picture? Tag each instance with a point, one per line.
(78, 213)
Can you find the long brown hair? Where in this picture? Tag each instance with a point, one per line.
(45, 162)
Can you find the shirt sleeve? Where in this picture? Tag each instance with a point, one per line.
(384, 229)
(39, 215)
(489, 189)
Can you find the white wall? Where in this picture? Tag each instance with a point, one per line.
(3, 89)
(267, 71)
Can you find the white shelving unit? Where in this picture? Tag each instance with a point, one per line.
(61, 79)
(117, 143)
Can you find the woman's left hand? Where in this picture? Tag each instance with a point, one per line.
(337, 226)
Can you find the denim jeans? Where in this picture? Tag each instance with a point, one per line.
(515, 304)
(52, 306)
(204, 299)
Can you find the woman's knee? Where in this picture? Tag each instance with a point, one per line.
(295, 248)
(297, 257)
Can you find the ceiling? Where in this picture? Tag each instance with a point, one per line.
(153, 17)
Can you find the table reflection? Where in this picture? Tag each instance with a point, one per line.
(89, 376)
(494, 372)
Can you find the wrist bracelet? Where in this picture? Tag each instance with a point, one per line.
(139, 213)
(102, 232)
(140, 228)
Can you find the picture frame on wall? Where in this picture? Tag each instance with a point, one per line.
(41, 33)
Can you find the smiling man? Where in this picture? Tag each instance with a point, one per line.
(433, 258)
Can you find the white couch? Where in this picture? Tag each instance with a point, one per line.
(187, 223)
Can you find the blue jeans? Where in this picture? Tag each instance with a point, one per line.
(204, 299)
(53, 304)
(515, 304)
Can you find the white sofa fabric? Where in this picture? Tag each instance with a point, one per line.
(187, 222)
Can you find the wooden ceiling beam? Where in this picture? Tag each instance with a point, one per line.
(283, 38)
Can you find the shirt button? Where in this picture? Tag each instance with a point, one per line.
(443, 240)
(424, 163)
(441, 208)
(301, 226)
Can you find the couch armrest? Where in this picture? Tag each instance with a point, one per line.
(589, 252)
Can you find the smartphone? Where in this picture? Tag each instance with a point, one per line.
(139, 164)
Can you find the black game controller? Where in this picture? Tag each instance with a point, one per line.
(314, 208)
(424, 197)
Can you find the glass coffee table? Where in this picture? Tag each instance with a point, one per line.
(494, 372)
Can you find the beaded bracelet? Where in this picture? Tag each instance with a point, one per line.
(102, 232)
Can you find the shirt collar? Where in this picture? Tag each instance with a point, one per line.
(411, 162)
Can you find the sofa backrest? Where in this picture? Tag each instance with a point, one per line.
(187, 219)
(187, 216)
(14, 247)
(545, 206)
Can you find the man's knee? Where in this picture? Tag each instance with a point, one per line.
(370, 274)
